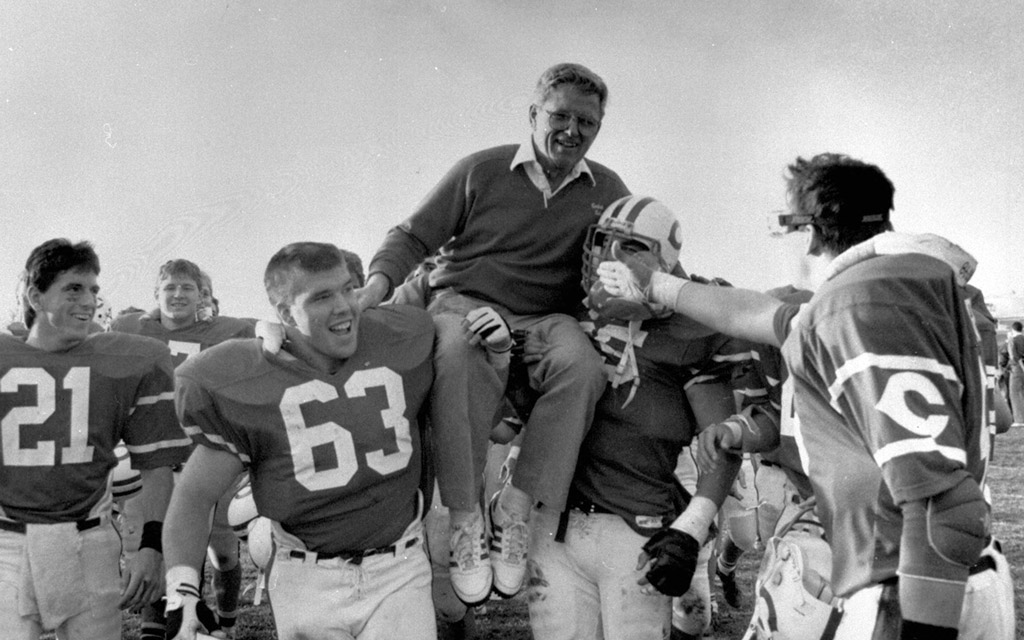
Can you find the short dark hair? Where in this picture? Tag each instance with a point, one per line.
(52, 258)
(1017, 326)
(847, 201)
(355, 266)
(180, 267)
(311, 257)
(588, 82)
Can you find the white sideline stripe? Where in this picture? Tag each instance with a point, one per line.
(156, 446)
(194, 430)
(866, 361)
(918, 445)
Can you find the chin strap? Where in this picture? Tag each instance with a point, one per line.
(627, 369)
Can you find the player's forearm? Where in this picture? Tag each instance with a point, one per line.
(741, 313)
(760, 430)
(155, 496)
(712, 489)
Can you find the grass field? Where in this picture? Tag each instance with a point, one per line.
(507, 620)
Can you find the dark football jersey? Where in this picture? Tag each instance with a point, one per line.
(628, 458)
(64, 412)
(186, 341)
(335, 458)
(890, 392)
(771, 369)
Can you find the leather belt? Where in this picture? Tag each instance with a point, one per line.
(19, 527)
(353, 557)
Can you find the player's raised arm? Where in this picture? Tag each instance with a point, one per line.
(741, 313)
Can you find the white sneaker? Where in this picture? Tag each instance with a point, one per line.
(470, 566)
(510, 538)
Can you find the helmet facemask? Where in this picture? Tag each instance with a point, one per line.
(647, 230)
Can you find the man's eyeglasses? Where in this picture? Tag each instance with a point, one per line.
(561, 120)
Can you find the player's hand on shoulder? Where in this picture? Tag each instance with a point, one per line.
(669, 560)
(142, 582)
(486, 326)
(274, 335)
(373, 292)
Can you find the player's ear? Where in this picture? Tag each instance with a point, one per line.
(32, 297)
(814, 244)
(533, 116)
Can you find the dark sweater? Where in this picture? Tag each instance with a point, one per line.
(498, 242)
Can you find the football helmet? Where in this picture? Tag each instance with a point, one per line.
(794, 597)
(242, 511)
(642, 226)
(261, 542)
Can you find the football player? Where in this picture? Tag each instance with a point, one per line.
(188, 321)
(67, 397)
(891, 391)
(667, 375)
(329, 432)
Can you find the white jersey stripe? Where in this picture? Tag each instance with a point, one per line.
(148, 400)
(918, 445)
(218, 439)
(867, 361)
(156, 446)
(167, 395)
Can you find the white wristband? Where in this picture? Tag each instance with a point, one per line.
(697, 518)
(665, 288)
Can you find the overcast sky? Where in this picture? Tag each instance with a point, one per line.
(219, 132)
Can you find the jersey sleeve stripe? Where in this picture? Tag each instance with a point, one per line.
(753, 393)
(157, 446)
(148, 400)
(918, 445)
(194, 431)
(867, 361)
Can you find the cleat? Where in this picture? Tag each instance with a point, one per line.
(470, 565)
(510, 538)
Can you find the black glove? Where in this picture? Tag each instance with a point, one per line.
(673, 559)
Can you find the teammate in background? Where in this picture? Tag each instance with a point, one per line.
(667, 376)
(1015, 365)
(67, 397)
(509, 224)
(329, 432)
(890, 392)
(187, 319)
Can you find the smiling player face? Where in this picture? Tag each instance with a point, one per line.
(324, 309)
(179, 298)
(66, 309)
